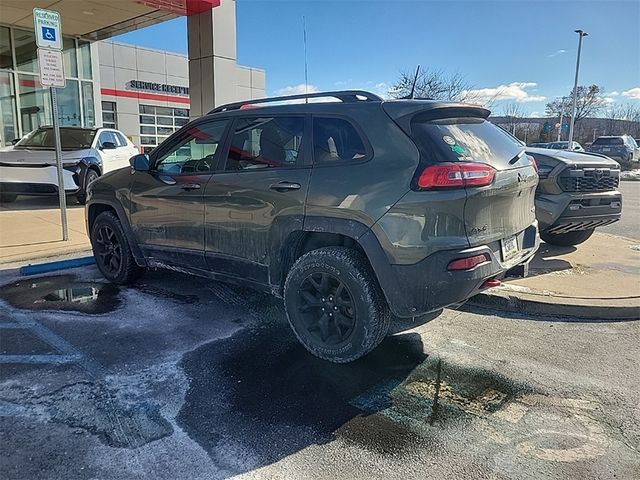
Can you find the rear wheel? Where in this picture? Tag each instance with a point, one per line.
(334, 304)
(8, 197)
(567, 239)
(111, 250)
(89, 177)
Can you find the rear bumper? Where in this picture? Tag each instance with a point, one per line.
(35, 180)
(571, 212)
(426, 286)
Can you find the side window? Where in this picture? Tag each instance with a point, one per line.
(107, 136)
(265, 142)
(122, 142)
(194, 151)
(335, 139)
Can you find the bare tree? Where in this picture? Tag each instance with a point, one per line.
(590, 101)
(436, 84)
(513, 115)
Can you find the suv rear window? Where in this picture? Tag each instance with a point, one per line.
(335, 139)
(465, 140)
(609, 141)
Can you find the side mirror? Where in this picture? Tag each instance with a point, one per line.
(108, 146)
(14, 141)
(140, 162)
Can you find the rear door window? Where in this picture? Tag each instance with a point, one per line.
(336, 140)
(465, 140)
(266, 142)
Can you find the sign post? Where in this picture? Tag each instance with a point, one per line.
(48, 32)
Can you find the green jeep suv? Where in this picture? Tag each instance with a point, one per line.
(351, 210)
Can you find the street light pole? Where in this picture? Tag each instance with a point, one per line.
(581, 34)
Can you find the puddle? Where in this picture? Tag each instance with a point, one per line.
(259, 396)
(90, 407)
(61, 293)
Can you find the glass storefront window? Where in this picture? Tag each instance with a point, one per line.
(69, 57)
(87, 104)
(8, 125)
(35, 103)
(26, 51)
(69, 105)
(6, 60)
(84, 50)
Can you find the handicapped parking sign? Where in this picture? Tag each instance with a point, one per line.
(47, 28)
(49, 33)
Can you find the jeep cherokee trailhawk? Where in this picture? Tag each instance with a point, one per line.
(351, 210)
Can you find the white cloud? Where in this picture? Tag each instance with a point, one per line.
(535, 115)
(556, 53)
(297, 89)
(614, 94)
(608, 100)
(516, 91)
(633, 93)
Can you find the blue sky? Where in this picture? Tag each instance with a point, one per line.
(525, 49)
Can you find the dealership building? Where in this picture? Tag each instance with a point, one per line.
(145, 93)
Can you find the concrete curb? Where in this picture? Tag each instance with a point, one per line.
(57, 265)
(614, 309)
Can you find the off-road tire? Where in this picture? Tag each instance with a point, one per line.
(128, 271)
(371, 318)
(567, 239)
(89, 177)
(8, 197)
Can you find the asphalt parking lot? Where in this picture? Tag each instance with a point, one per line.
(179, 377)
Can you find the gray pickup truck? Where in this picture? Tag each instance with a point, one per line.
(577, 193)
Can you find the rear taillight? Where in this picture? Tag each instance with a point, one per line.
(467, 263)
(456, 175)
(532, 160)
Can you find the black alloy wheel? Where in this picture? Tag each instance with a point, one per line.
(327, 306)
(108, 249)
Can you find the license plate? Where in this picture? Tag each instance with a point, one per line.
(606, 149)
(509, 247)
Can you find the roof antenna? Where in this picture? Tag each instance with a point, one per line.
(306, 74)
(413, 86)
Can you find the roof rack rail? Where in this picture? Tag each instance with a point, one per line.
(347, 96)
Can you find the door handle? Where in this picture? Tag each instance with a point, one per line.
(191, 186)
(285, 186)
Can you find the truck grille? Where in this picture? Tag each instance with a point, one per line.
(589, 179)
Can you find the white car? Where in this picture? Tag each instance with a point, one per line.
(29, 166)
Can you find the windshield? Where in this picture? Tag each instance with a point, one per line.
(465, 140)
(608, 141)
(70, 138)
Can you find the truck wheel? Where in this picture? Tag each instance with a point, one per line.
(567, 239)
(89, 177)
(111, 250)
(334, 304)
(8, 197)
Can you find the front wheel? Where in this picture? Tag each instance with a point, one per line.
(111, 250)
(334, 304)
(89, 177)
(567, 239)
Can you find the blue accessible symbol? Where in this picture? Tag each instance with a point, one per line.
(49, 34)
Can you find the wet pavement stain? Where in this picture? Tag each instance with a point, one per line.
(92, 408)
(166, 294)
(260, 396)
(62, 292)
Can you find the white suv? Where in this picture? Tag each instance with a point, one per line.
(29, 166)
